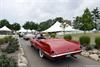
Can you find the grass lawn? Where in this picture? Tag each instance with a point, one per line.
(92, 36)
(1, 36)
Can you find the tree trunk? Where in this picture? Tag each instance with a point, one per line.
(84, 32)
(63, 31)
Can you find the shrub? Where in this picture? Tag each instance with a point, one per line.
(12, 46)
(7, 62)
(6, 39)
(84, 40)
(53, 35)
(69, 37)
(89, 47)
(11, 38)
(2, 41)
(97, 41)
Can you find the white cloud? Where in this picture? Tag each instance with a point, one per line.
(41, 10)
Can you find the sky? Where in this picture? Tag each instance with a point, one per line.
(21, 11)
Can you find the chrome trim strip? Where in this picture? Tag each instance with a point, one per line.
(64, 53)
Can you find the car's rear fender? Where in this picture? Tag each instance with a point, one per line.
(41, 45)
(45, 47)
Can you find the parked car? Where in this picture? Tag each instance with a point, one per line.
(53, 48)
(21, 34)
(28, 36)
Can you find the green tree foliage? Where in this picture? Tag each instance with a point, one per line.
(7, 62)
(84, 22)
(15, 26)
(30, 25)
(45, 25)
(4, 22)
(36, 26)
(77, 22)
(95, 14)
(95, 17)
(59, 19)
(26, 25)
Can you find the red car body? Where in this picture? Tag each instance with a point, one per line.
(56, 47)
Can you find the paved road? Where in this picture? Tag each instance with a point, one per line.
(35, 61)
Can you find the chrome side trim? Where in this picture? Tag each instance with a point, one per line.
(64, 53)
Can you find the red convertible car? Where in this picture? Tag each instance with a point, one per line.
(56, 47)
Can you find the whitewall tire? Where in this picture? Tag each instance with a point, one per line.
(41, 54)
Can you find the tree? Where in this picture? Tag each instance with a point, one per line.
(84, 22)
(26, 25)
(36, 26)
(15, 27)
(77, 22)
(96, 16)
(4, 22)
(45, 25)
(60, 19)
(30, 25)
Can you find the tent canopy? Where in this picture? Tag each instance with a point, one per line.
(22, 30)
(54, 28)
(57, 28)
(69, 28)
(5, 29)
(93, 29)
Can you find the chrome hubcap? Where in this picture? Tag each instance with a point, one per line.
(41, 53)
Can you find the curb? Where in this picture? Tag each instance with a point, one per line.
(22, 61)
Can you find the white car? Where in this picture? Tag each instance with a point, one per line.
(28, 36)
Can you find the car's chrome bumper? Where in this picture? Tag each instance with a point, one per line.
(65, 53)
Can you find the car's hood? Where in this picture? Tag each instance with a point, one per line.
(62, 45)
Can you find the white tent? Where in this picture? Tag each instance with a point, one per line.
(30, 30)
(93, 30)
(69, 28)
(33, 30)
(22, 30)
(54, 28)
(5, 29)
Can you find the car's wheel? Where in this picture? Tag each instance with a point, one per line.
(31, 45)
(41, 54)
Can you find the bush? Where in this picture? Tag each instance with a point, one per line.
(6, 39)
(53, 35)
(84, 40)
(97, 41)
(2, 41)
(89, 47)
(12, 46)
(69, 37)
(7, 62)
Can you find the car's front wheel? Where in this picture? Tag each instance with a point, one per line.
(41, 54)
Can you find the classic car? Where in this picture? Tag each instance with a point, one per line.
(53, 48)
(21, 34)
(28, 36)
